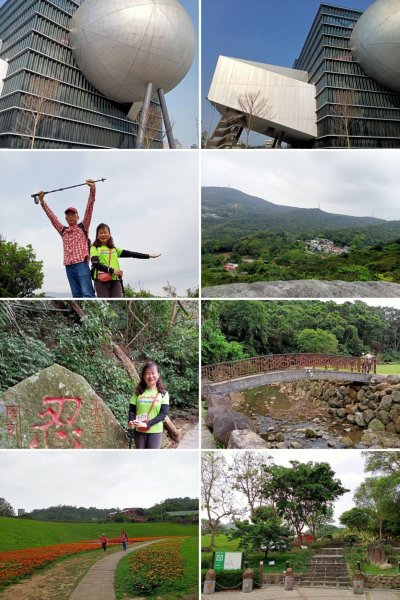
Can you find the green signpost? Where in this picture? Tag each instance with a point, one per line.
(227, 561)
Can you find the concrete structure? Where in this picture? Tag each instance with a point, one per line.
(251, 381)
(291, 109)
(122, 46)
(375, 43)
(333, 98)
(39, 75)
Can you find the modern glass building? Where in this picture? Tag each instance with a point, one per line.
(352, 110)
(45, 101)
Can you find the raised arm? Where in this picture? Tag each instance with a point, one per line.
(89, 206)
(53, 219)
(129, 254)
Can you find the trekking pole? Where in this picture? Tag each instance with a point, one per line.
(35, 196)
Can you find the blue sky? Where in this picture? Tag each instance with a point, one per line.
(183, 101)
(270, 31)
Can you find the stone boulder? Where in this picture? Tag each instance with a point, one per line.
(56, 408)
(218, 400)
(376, 425)
(211, 413)
(246, 439)
(226, 422)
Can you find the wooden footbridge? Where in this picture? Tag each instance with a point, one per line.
(283, 362)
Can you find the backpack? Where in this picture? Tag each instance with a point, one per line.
(80, 225)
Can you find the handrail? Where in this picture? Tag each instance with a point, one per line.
(280, 362)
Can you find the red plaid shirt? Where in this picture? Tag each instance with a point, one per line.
(74, 239)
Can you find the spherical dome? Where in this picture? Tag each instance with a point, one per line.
(375, 43)
(121, 45)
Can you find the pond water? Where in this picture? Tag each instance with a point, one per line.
(279, 418)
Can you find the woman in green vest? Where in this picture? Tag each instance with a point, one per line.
(106, 271)
(148, 408)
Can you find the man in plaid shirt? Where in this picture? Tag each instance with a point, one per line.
(75, 242)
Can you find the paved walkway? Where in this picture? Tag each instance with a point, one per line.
(191, 439)
(303, 593)
(98, 583)
(207, 439)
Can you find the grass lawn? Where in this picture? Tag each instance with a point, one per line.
(17, 533)
(389, 369)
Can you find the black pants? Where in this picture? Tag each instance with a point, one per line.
(147, 441)
(108, 289)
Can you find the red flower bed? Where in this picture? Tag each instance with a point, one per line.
(15, 564)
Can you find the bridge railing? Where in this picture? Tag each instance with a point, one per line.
(280, 362)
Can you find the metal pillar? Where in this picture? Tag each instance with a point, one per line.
(144, 116)
(167, 122)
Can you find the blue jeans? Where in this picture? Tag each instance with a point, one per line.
(80, 280)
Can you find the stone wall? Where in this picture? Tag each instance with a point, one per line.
(382, 581)
(275, 377)
(375, 407)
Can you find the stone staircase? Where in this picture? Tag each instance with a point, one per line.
(327, 568)
(228, 130)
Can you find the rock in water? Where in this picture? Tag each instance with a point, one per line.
(56, 408)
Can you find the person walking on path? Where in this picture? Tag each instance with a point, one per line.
(106, 271)
(75, 242)
(123, 539)
(148, 408)
(103, 541)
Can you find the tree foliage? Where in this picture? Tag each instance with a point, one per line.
(216, 492)
(248, 476)
(358, 519)
(276, 327)
(20, 273)
(317, 340)
(6, 510)
(265, 531)
(302, 492)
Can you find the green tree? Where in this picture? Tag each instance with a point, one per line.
(265, 532)
(20, 273)
(301, 490)
(317, 340)
(6, 510)
(356, 518)
(215, 348)
(381, 496)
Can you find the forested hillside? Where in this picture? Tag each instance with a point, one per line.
(68, 514)
(270, 242)
(234, 330)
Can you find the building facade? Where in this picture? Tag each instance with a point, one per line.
(352, 110)
(327, 100)
(45, 101)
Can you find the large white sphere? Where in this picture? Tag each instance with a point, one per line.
(121, 45)
(375, 43)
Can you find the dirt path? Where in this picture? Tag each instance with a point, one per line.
(56, 582)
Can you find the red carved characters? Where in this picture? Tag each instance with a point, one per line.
(62, 413)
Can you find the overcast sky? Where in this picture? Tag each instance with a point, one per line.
(347, 464)
(150, 201)
(104, 479)
(357, 183)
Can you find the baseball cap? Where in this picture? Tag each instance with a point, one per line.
(71, 209)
